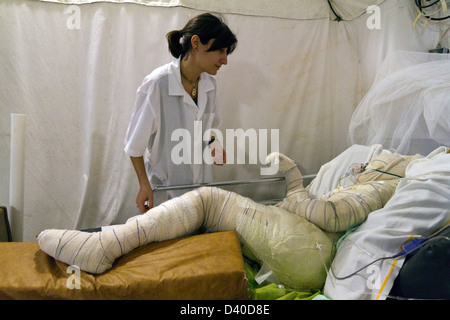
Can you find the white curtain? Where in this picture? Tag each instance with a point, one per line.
(74, 70)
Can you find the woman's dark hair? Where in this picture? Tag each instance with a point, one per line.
(207, 27)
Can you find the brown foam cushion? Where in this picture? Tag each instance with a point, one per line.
(206, 266)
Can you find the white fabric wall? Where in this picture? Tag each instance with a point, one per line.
(302, 77)
(291, 9)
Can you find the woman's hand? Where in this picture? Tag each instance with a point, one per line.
(217, 153)
(144, 199)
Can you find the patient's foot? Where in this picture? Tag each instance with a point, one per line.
(91, 252)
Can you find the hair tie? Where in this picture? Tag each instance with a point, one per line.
(182, 39)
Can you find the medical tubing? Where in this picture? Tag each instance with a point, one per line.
(410, 247)
(391, 174)
(407, 248)
(359, 270)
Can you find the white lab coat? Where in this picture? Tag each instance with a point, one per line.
(163, 106)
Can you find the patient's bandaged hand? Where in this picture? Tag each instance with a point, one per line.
(283, 162)
(295, 191)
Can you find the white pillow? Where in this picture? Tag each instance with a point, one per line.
(327, 178)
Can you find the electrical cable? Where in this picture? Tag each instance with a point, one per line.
(356, 169)
(428, 5)
(338, 18)
(407, 248)
(421, 7)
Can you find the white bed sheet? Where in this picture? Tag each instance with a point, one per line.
(420, 206)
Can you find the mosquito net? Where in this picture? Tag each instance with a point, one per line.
(407, 105)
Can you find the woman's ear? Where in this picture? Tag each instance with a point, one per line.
(195, 41)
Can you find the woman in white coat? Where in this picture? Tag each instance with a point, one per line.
(175, 105)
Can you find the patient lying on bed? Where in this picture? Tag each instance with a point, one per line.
(294, 238)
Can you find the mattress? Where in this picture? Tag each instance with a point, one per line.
(205, 266)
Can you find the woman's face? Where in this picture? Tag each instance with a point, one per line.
(211, 61)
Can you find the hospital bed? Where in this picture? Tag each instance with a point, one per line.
(211, 265)
(203, 266)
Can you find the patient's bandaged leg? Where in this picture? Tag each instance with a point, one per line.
(293, 248)
(96, 252)
(296, 251)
